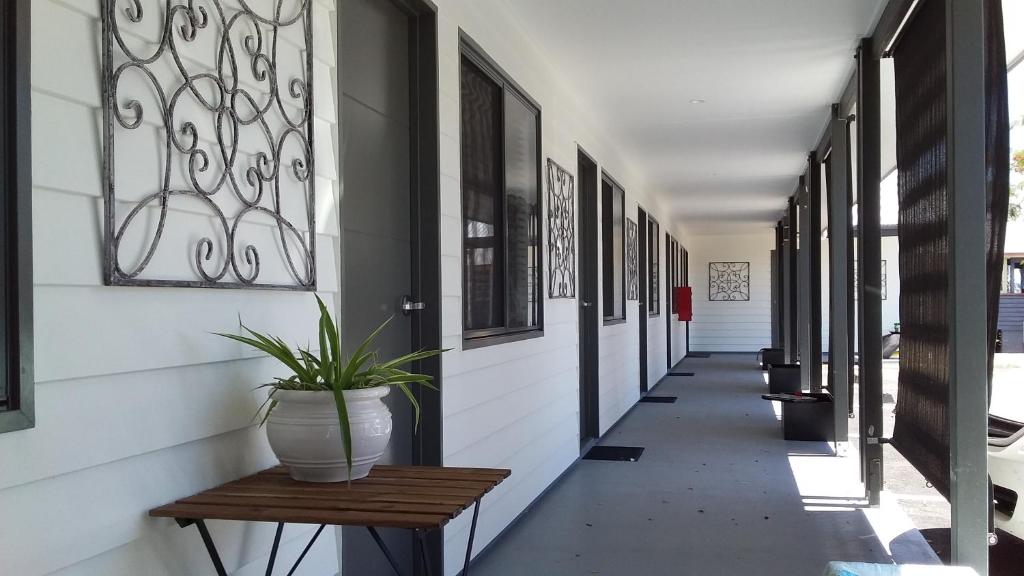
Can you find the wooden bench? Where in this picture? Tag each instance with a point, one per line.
(418, 498)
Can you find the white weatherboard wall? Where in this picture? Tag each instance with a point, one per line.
(732, 326)
(137, 404)
(516, 405)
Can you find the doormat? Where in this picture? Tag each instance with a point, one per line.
(615, 453)
(699, 355)
(659, 399)
(680, 374)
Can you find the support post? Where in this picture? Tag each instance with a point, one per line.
(869, 262)
(805, 239)
(838, 241)
(968, 351)
(792, 334)
(813, 187)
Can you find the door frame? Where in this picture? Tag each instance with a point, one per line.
(425, 228)
(641, 272)
(589, 388)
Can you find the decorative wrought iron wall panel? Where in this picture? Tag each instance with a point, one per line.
(728, 281)
(632, 256)
(561, 232)
(227, 95)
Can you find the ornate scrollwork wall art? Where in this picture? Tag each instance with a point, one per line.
(228, 93)
(632, 278)
(885, 281)
(728, 281)
(561, 232)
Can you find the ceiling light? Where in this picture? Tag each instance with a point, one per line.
(698, 101)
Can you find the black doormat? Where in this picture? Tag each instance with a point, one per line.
(615, 453)
(659, 399)
(699, 355)
(680, 373)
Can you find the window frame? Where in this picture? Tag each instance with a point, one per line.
(620, 316)
(482, 337)
(18, 409)
(653, 267)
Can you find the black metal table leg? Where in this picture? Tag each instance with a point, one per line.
(273, 549)
(210, 547)
(384, 549)
(306, 549)
(421, 540)
(472, 534)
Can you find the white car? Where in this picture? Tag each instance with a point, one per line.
(1006, 468)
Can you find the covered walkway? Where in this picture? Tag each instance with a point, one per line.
(717, 491)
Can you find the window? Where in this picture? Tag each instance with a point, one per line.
(16, 393)
(501, 204)
(613, 241)
(653, 294)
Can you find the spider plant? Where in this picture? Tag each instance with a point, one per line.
(329, 369)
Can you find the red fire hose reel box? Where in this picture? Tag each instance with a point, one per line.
(684, 303)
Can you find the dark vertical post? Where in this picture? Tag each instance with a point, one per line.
(792, 335)
(968, 351)
(869, 262)
(838, 241)
(781, 282)
(813, 236)
(804, 239)
(851, 310)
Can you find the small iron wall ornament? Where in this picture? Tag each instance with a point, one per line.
(632, 256)
(226, 95)
(728, 281)
(561, 232)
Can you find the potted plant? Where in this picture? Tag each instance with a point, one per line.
(326, 421)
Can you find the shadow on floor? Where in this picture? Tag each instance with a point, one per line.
(1005, 558)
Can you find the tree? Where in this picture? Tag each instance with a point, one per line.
(1017, 165)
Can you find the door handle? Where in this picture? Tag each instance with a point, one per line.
(409, 305)
(586, 304)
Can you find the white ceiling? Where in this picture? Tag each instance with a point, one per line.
(767, 69)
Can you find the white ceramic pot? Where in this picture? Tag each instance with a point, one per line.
(304, 433)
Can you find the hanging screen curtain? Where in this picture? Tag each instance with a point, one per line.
(921, 433)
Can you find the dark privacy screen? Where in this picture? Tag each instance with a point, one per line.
(922, 420)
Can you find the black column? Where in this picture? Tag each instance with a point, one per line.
(869, 263)
(792, 326)
(813, 238)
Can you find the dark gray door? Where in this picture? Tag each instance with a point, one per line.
(376, 245)
(588, 295)
(641, 269)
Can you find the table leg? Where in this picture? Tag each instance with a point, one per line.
(472, 534)
(384, 549)
(421, 540)
(210, 548)
(306, 549)
(273, 549)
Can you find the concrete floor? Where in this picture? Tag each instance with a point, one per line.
(717, 491)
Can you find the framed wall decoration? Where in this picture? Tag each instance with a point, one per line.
(885, 291)
(208, 145)
(632, 279)
(728, 281)
(561, 232)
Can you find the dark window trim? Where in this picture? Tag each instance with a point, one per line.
(16, 214)
(471, 339)
(620, 316)
(653, 266)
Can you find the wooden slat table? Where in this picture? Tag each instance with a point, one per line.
(418, 498)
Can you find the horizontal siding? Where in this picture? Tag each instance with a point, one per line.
(731, 326)
(516, 405)
(137, 403)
